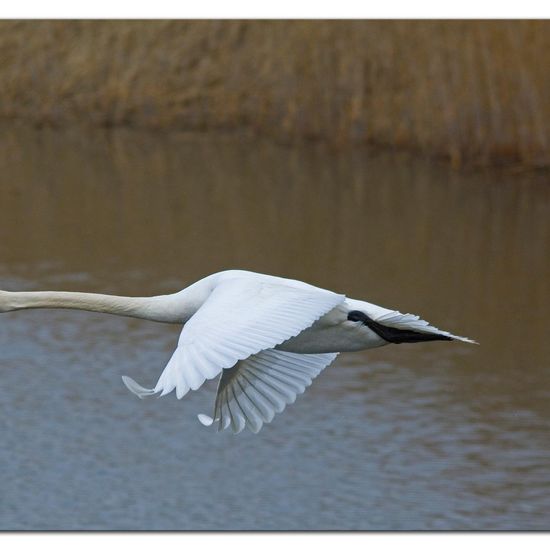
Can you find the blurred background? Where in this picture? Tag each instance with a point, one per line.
(475, 91)
(400, 162)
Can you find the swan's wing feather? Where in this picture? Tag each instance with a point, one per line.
(251, 392)
(241, 317)
(137, 389)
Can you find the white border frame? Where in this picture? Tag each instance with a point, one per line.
(280, 9)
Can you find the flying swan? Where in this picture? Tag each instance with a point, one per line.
(268, 337)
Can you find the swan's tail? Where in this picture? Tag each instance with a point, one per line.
(399, 328)
(136, 389)
(396, 327)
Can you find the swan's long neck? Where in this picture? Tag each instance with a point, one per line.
(165, 309)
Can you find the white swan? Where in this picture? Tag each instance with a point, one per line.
(267, 336)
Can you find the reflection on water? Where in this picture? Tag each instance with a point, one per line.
(427, 436)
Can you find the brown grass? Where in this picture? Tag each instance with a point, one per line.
(471, 91)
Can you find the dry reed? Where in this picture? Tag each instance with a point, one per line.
(470, 91)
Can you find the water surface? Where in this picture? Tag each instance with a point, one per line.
(426, 436)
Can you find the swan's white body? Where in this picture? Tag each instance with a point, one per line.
(268, 337)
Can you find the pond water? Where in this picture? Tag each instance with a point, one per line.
(425, 436)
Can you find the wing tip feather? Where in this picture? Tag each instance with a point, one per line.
(136, 388)
(205, 420)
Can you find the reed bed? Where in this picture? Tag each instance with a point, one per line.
(470, 91)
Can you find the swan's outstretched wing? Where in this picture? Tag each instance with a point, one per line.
(241, 317)
(252, 391)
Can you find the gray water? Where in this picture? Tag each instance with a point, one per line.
(427, 436)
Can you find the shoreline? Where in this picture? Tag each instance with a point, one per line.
(475, 93)
(242, 137)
